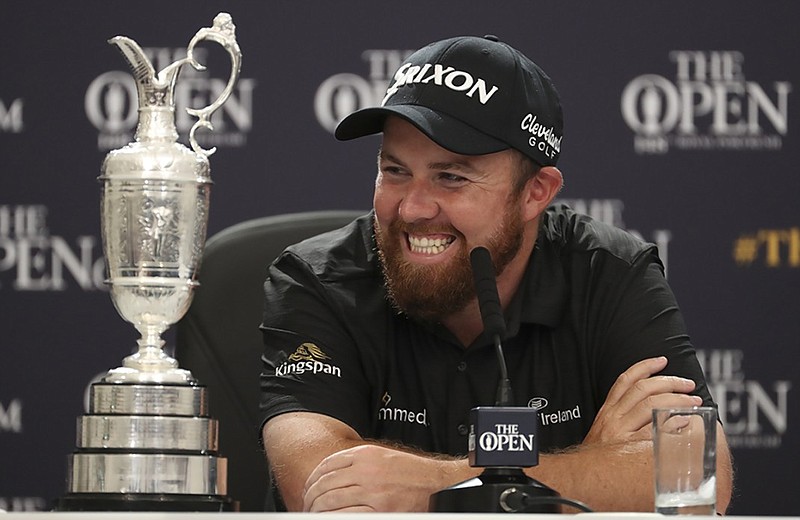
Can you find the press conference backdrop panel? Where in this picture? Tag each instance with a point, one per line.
(681, 126)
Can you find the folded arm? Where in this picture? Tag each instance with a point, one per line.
(321, 464)
(612, 470)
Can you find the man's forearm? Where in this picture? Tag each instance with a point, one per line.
(618, 476)
(296, 443)
(609, 477)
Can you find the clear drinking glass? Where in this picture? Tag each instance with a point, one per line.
(684, 443)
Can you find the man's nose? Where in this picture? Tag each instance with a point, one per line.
(419, 203)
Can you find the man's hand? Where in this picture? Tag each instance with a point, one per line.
(376, 478)
(612, 469)
(627, 412)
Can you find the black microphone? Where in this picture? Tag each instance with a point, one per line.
(494, 324)
(486, 290)
(502, 438)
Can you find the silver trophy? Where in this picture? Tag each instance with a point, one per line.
(148, 442)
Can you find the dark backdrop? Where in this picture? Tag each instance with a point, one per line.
(680, 125)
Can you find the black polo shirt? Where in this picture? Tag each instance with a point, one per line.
(592, 303)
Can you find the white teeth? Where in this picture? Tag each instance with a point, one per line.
(429, 246)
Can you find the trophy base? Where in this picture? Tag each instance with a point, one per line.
(145, 502)
(147, 447)
(156, 473)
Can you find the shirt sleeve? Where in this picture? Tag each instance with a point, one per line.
(310, 360)
(641, 319)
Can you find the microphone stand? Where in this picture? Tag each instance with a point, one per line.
(498, 489)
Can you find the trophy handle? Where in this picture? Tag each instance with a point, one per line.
(222, 32)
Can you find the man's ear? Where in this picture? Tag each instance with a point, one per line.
(540, 190)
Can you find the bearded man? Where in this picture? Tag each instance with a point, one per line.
(472, 131)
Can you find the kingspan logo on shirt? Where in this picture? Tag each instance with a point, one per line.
(444, 76)
(308, 357)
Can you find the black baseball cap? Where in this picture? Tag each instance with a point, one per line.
(472, 96)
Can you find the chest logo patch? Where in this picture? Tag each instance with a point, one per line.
(402, 415)
(308, 352)
(538, 403)
(307, 358)
(553, 416)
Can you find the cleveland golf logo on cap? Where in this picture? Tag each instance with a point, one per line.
(456, 80)
(542, 137)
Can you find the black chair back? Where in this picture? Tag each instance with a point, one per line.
(220, 342)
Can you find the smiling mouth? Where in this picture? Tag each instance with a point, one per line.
(429, 246)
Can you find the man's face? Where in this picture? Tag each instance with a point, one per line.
(432, 207)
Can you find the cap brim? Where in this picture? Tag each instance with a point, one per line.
(446, 131)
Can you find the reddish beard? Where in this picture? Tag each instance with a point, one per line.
(432, 292)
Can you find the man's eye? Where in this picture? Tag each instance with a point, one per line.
(391, 170)
(452, 178)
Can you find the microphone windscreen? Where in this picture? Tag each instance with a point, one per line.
(486, 290)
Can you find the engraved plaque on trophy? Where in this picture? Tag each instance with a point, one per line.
(148, 441)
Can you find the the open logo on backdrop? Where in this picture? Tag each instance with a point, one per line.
(755, 413)
(111, 103)
(32, 258)
(707, 105)
(345, 92)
